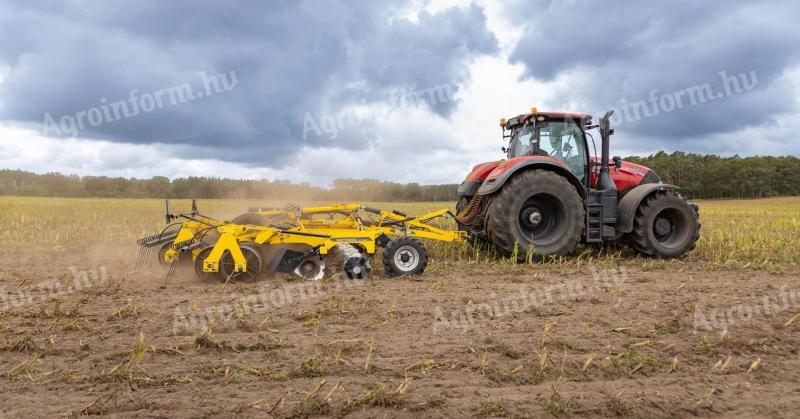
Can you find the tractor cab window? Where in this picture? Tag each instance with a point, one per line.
(522, 142)
(565, 141)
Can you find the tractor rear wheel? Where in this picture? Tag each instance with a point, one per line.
(665, 226)
(536, 209)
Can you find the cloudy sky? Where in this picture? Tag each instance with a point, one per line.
(409, 91)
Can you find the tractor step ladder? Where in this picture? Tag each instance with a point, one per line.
(594, 223)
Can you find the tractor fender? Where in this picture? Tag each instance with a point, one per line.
(469, 187)
(626, 209)
(501, 174)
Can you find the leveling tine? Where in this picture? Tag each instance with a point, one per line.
(173, 267)
(145, 255)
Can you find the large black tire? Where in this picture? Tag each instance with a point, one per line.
(538, 208)
(404, 255)
(666, 226)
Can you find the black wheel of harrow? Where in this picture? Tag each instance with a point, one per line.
(252, 257)
(198, 267)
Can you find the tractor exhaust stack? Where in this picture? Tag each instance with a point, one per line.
(605, 183)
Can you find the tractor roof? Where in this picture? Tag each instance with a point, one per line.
(519, 119)
(570, 115)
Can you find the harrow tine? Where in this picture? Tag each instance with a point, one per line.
(144, 254)
(152, 253)
(173, 267)
(149, 246)
(151, 256)
(177, 263)
(138, 258)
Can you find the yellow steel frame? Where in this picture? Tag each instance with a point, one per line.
(322, 234)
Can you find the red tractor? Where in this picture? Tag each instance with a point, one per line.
(550, 194)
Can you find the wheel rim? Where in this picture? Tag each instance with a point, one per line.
(541, 219)
(669, 227)
(406, 258)
(253, 261)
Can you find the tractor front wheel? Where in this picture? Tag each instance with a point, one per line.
(665, 226)
(536, 211)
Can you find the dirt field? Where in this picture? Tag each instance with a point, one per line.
(83, 333)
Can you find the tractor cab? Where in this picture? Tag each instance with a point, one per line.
(558, 136)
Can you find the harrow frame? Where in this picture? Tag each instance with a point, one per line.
(322, 235)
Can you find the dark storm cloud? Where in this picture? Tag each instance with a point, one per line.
(622, 51)
(288, 59)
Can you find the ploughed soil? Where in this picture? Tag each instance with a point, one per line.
(463, 339)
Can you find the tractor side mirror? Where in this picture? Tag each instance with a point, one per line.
(617, 162)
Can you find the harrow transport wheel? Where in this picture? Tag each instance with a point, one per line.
(665, 226)
(404, 255)
(538, 208)
(198, 267)
(252, 255)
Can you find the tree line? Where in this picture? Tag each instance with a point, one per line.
(699, 176)
(711, 176)
(22, 183)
